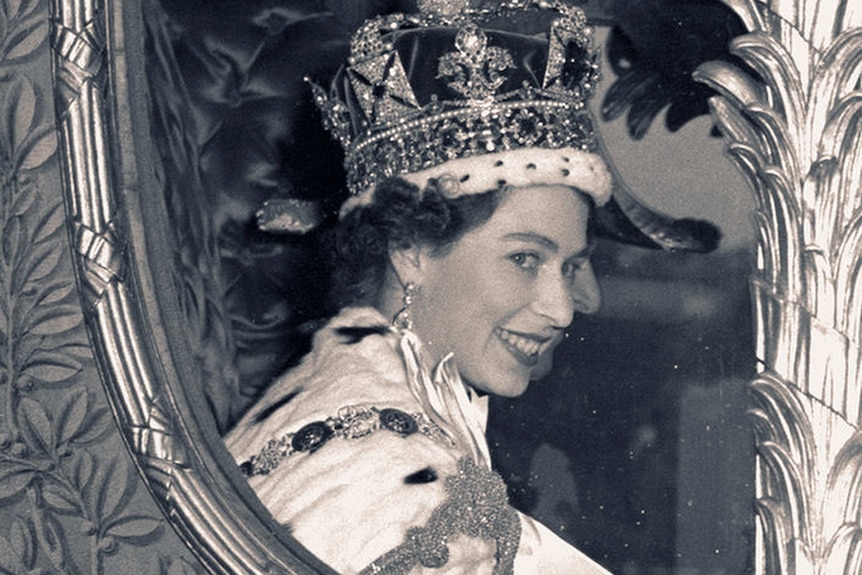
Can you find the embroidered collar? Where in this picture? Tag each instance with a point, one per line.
(476, 506)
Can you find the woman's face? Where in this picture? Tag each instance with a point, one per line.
(502, 295)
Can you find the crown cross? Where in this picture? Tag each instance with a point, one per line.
(476, 67)
(382, 88)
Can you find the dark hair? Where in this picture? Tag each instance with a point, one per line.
(399, 216)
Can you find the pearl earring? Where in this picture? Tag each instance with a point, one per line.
(402, 319)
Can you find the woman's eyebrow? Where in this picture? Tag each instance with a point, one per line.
(533, 237)
(550, 244)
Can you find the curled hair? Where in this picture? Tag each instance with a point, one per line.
(399, 216)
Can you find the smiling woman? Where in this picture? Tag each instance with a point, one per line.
(498, 298)
(491, 301)
(505, 292)
(476, 189)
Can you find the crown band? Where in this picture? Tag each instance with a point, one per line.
(427, 142)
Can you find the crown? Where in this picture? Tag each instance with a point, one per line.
(478, 98)
(454, 82)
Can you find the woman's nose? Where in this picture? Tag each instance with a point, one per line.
(558, 297)
(586, 292)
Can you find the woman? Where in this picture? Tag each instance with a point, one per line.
(462, 255)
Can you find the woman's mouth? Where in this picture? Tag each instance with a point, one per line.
(526, 348)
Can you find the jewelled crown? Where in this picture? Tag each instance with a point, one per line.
(454, 82)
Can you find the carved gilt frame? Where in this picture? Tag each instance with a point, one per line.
(131, 282)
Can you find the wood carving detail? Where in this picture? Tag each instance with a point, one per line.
(794, 131)
(147, 263)
(70, 499)
(68, 506)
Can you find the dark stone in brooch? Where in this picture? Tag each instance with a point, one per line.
(311, 437)
(427, 475)
(398, 421)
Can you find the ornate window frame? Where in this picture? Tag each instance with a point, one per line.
(129, 276)
(793, 131)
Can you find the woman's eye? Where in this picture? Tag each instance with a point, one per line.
(525, 260)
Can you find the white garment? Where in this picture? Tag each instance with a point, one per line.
(348, 501)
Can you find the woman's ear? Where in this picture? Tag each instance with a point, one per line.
(407, 262)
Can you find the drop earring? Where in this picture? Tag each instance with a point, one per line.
(402, 319)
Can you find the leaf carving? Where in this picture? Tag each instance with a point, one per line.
(55, 293)
(35, 425)
(23, 201)
(82, 469)
(22, 131)
(21, 110)
(59, 499)
(9, 559)
(27, 40)
(21, 8)
(134, 528)
(4, 321)
(50, 537)
(52, 367)
(44, 264)
(42, 340)
(14, 478)
(115, 488)
(93, 427)
(21, 540)
(17, 552)
(11, 239)
(50, 223)
(55, 320)
(42, 148)
(72, 416)
(23, 30)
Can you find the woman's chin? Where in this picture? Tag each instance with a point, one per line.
(513, 393)
(503, 386)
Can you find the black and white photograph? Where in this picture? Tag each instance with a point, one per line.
(418, 287)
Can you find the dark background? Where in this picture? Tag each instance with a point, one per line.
(645, 457)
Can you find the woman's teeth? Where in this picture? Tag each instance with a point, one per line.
(524, 345)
